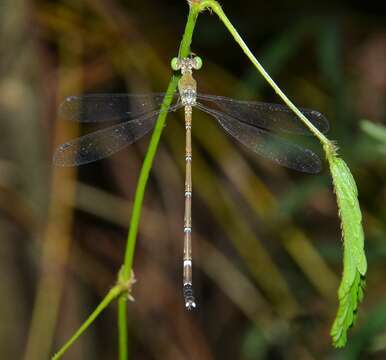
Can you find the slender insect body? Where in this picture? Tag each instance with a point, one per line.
(187, 87)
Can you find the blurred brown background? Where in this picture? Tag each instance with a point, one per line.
(267, 248)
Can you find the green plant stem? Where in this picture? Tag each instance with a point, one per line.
(215, 6)
(111, 295)
(122, 327)
(142, 181)
(126, 270)
(125, 274)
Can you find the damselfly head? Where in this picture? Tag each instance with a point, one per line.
(186, 65)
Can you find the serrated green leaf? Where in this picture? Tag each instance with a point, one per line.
(354, 260)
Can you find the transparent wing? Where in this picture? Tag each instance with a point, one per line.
(267, 116)
(268, 145)
(109, 107)
(105, 142)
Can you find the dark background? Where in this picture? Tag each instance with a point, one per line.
(267, 248)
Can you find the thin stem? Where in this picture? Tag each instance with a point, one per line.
(111, 295)
(122, 327)
(188, 32)
(142, 181)
(143, 177)
(215, 6)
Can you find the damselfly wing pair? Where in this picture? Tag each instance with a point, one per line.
(254, 124)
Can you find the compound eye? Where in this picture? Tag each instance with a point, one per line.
(198, 62)
(175, 64)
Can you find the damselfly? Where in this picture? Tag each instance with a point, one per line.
(251, 123)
